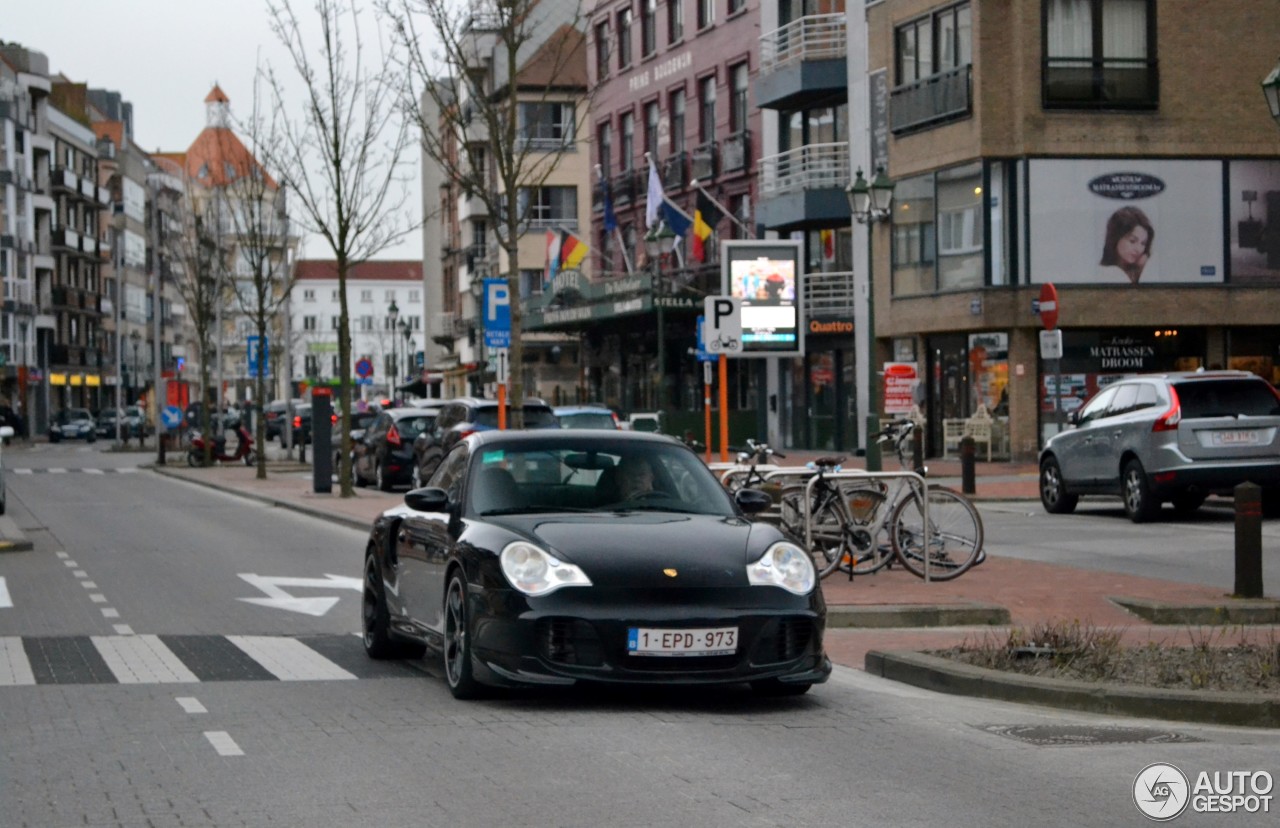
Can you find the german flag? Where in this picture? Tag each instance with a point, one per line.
(705, 218)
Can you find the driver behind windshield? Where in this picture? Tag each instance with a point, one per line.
(635, 477)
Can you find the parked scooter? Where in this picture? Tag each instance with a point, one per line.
(244, 449)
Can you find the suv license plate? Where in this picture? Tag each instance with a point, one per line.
(713, 641)
(1235, 438)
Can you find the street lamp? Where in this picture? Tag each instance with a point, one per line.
(135, 339)
(870, 205)
(393, 314)
(1271, 89)
(658, 243)
(404, 330)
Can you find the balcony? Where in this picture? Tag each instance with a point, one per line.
(476, 255)
(703, 161)
(936, 99)
(735, 152)
(65, 238)
(803, 61)
(623, 188)
(471, 206)
(675, 171)
(88, 189)
(64, 179)
(828, 294)
(805, 187)
(442, 324)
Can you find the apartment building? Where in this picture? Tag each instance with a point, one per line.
(1023, 139)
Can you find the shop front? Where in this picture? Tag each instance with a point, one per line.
(821, 402)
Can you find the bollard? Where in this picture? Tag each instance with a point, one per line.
(968, 450)
(917, 450)
(1248, 541)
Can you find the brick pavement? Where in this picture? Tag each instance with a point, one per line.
(1033, 592)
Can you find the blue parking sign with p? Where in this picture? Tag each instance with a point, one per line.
(257, 356)
(497, 313)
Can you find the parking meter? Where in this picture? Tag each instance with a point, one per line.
(322, 440)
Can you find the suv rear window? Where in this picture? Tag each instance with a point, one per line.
(535, 416)
(1227, 398)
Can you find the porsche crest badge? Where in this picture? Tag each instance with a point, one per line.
(670, 573)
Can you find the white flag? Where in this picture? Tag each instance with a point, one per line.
(656, 197)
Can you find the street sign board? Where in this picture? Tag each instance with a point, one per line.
(1049, 306)
(723, 327)
(701, 350)
(256, 348)
(767, 277)
(171, 415)
(502, 365)
(497, 313)
(1051, 344)
(364, 368)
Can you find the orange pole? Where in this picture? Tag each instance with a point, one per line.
(724, 409)
(706, 407)
(502, 406)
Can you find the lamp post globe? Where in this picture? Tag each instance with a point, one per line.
(1271, 90)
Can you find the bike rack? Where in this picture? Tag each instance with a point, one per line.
(738, 469)
(916, 482)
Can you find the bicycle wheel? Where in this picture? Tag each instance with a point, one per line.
(868, 547)
(827, 526)
(955, 536)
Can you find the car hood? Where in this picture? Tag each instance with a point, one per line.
(637, 549)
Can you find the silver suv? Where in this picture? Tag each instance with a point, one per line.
(1176, 437)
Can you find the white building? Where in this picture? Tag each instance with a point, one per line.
(386, 309)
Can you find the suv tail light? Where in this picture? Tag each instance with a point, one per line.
(297, 421)
(614, 415)
(393, 436)
(1168, 421)
(462, 435)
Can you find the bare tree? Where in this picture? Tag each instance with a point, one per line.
(343, 158)
(263, 275)
(491, 72)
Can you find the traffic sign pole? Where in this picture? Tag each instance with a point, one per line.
(706, 403)
(724, 409)
(1049, 316)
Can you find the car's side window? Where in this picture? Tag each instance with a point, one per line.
(1124, 401)
(1097, 407)
(449, 474)
(1147, 396)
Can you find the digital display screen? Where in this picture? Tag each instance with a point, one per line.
(766, 277)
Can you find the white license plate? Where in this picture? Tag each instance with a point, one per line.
(1235, 438)
(712, 641)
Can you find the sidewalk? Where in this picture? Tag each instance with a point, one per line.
(1005, 592)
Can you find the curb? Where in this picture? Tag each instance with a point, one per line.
(349, 522)
(1201, 706)
(1235, 611)
(882, 616)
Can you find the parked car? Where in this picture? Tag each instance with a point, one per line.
(384, 455)
(275, 413)
(302, 423)
(586, 416)
(134, 421)
(73, 424)
(6, 434)
(360, 421)
(518, 580)
(464, 416)
(650, 421)
(1174, 437)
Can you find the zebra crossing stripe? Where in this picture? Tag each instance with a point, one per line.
(141, 659)
(22, 471)
(14, 666)
(288, 659)
(93, 471)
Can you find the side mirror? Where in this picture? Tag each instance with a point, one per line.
(6, 432)
(427, 500)
(1073, 417)
(752, 501)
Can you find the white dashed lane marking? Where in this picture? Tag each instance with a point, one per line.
(223, 743)
(191, 705)
(14, 667)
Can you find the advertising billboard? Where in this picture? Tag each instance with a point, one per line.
(1253, 196)
(767, 277)
(1125, 221)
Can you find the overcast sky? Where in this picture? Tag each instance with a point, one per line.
(165, 55)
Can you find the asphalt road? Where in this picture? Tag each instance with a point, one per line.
(271, 715)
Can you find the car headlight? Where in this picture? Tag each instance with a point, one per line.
(783, 565)
(534, 572)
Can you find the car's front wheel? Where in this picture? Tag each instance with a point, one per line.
(457, 641)
(1139, 504)
(1053, 491)
(376, 620)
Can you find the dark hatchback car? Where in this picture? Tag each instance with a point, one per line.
(1175, 437)
(73, 424)
(384, 454)
(538, 558)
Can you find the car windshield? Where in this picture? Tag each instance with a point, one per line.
(534, 417)
(586, 419)
(1227, 398)
(78, 414)
(532, 477)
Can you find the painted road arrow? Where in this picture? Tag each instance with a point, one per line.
(277, 598)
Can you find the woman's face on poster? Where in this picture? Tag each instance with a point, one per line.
(1133, 245)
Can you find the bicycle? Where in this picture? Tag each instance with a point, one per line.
(862, 526)
(756, 458)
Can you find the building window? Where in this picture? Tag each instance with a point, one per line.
(335, 322)
(648, 27)
(675, 21)
(415, 296)
(308, 323)
(707, 109)
(624, 38)
(628, 141)
(531, 283)
(937, 43)
(390, 296)
(309, 295)
(738, 77)
(550, 207)
(914, 203)
(366, 323)
(1099, 54)
(334, 295)
(604, 152)
(706, 13)
(602, 50)
(736, 6)
(334, 364)
(312, 365)
(366, 296)
(651, 129)
(960, 227)
(677, 121)
(548, 126)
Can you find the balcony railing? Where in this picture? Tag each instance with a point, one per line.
(675, 171)
(703, 161)
(64, 179)
(64, 237)
(828, 293)
(623, 188)
(442, 324)
(735, 152)
(813, 37)
(811, 167)
(941, 97)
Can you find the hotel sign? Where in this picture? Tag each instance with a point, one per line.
(665, 69)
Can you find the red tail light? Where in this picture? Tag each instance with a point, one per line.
(616, 424)
(333, 418)
(1168, 421)
(297, 422)
(393, 436)
(462, 435)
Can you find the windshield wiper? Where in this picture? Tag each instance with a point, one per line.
(533, 510)
(651, 508)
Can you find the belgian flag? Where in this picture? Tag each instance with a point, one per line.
(706, 216)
